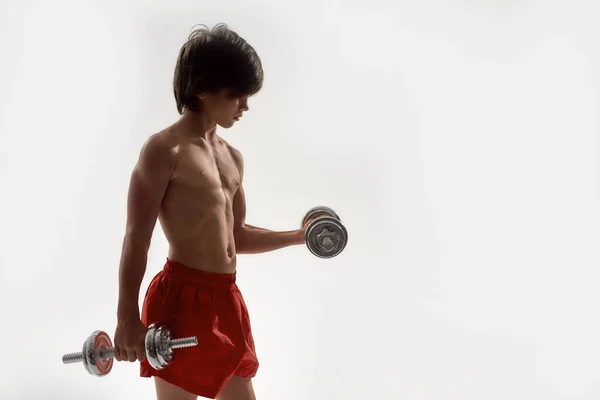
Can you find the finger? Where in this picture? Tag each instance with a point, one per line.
(141, 354)
(131, 357)
(117, 353)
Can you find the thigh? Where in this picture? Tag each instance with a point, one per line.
(168, 391)
(237, 388)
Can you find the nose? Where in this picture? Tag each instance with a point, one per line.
(244, 105)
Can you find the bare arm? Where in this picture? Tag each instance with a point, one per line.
(148, 183)
(250, 239)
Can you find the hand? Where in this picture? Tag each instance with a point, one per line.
(129, 340)
(307, 222)
(302, 231)
(300, 235)
(312, 218)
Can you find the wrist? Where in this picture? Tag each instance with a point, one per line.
(299, 236)
(128, 311)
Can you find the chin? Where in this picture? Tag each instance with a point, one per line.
(226, 125)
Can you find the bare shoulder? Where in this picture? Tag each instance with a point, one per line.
(159, 150)
(165, 141)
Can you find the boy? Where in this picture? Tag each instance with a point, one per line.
(190, 179)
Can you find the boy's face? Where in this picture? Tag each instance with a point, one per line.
(223, 108)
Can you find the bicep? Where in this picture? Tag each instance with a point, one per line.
(239, 199)
(239, 208)
(147, 186)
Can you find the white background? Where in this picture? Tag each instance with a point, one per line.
(456, 139)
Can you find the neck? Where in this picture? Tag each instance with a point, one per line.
(197, 124)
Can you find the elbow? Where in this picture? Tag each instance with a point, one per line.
(241, 239)
(138, 240)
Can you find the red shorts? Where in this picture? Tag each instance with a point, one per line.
(209, 306)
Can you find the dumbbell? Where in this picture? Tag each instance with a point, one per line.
(325, 235)
(98, 354)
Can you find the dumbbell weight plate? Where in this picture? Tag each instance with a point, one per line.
(315, 211)
(158, 353)
(93, 350)
(326, 237)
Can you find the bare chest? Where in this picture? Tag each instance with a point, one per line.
(207, 168)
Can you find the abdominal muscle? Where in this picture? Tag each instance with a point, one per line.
(198, 224)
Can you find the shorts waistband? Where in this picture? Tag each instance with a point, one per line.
(196, 276)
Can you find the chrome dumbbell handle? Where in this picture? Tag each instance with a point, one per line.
(73, 358)
(105, 354)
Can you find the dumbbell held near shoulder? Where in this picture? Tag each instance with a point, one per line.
(325, 235)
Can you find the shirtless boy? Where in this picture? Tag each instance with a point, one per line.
(191, 180)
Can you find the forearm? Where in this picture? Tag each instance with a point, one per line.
(132, 268)
(253, 240)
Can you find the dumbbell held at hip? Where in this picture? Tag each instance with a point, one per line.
(98, 354)
(325, 235)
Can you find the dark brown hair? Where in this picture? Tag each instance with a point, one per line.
(215, 59)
